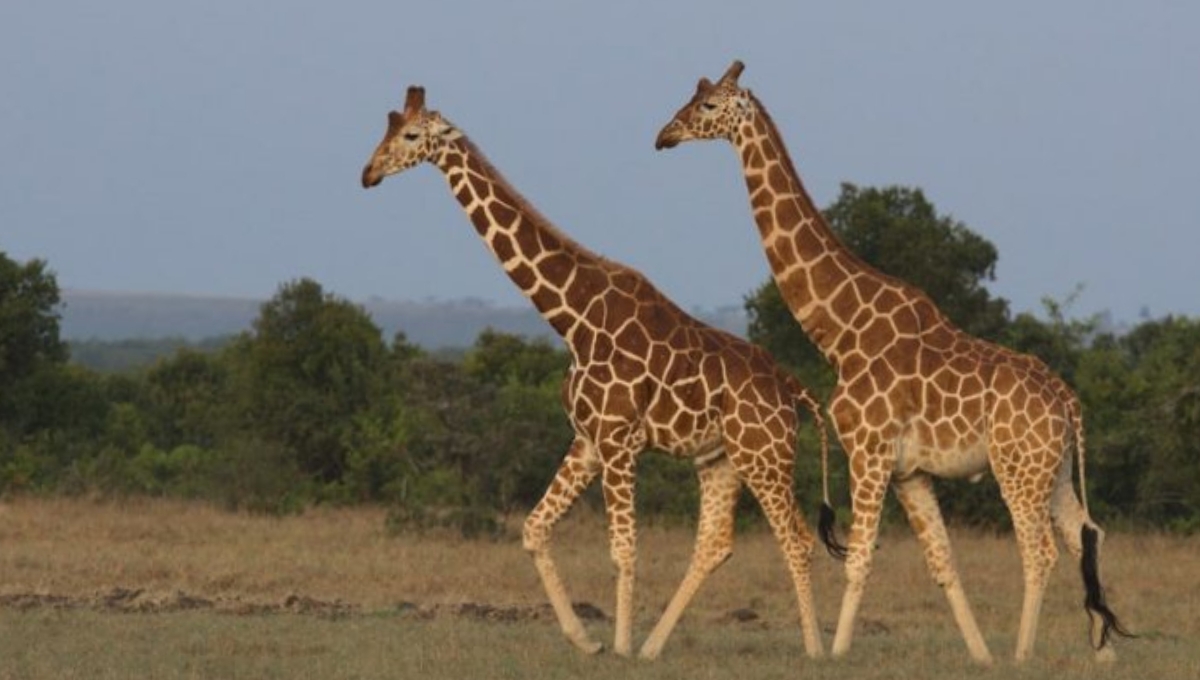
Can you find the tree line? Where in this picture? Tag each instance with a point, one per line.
(313, 405)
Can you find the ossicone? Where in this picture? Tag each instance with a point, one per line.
(733, 72)
(414, 101)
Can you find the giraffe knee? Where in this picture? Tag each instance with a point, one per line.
(712, 561)
(1050, 555)
(807, 543)
(858, 567)
(535, 535)
(623, 557)
(1041, 562)
(943, 574)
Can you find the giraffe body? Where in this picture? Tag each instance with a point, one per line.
(916, 397)
(644, 375)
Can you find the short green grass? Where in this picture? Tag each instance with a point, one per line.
(94, 645)
(82, 552)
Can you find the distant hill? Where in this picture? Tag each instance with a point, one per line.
(106, 316)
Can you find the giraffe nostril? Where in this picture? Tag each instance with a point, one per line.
(666, 139)
(370, 178)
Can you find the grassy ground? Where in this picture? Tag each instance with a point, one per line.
(166, 590)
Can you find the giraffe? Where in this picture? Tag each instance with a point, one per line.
(916, 397)
(644, 374)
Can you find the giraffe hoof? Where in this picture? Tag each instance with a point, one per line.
(587, 646)
(649, 654)
(985, 659)
(1106, 655)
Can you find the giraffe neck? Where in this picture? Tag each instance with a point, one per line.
(540, 259)
(810, 264)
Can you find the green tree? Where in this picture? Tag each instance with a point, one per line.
(1059, 341)
(310, 367)
(187, 397)
(501, 358)
(1146, 449)
(29, 341)
(525, 432)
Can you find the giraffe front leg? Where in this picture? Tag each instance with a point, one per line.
(575, 473)
(622, 536)
(719, 488)
(870, 471)
(920, 505)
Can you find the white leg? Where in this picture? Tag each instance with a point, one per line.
(719, 488)
(618, 483)
(574, 474)
(920, 504)
(867, 491)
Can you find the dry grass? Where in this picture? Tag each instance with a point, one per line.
(83, 551)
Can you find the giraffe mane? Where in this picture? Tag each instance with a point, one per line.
(853, 257)
(526, 208)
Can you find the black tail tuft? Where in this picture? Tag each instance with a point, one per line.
(825, 529)
(1094, 598)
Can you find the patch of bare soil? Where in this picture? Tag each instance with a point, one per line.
(120, 600)
(141, 601)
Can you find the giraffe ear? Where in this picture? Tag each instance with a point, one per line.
(395, 121)
(734, 72)
(704, 85)
(414, 101)
(447, 131)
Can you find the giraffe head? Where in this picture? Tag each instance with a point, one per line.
(413, 136)
(716, 111)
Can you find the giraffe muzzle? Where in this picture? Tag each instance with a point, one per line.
(370, 178)
(668, 138)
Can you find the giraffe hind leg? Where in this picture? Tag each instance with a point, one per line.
(1029, 499)
(1083, 540)
(779, 505)
(920, 505)
(719, 487)
(574, 475)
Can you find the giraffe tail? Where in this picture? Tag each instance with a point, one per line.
(1094, 600)
(827, 519)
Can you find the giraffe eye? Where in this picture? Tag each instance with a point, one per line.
(411, 136)
(708, 106)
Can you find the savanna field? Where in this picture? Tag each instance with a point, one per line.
(172, 589)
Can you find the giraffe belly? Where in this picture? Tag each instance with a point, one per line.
(697, 441)
(961, 458)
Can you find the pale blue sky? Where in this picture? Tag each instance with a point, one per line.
(215, 147)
